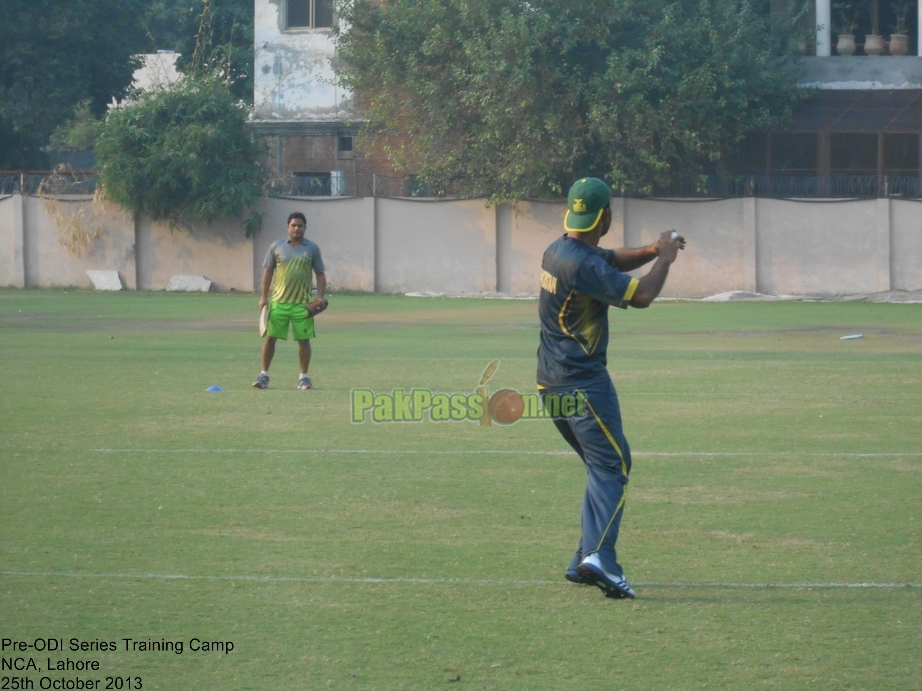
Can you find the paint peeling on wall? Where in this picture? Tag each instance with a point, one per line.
(293, 74)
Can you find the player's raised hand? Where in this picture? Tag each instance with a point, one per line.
(668, 245)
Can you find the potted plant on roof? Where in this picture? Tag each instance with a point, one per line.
(846, 22)
(899, 39)
(874, 42)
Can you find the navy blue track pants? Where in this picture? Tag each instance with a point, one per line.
(598, 439)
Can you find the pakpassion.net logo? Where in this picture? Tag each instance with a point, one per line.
(505, 406)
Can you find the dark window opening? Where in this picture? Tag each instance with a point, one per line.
(852, 154)
(309, 14)
(901, 154)
(794, 154)
(345, 144)
(413, 187)
(323, 13)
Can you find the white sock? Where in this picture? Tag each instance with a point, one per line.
(265, 371)
(303, 375)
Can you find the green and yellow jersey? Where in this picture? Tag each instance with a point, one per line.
(293, 267)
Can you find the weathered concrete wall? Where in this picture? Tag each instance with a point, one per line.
(834, 247)
(399, 245)
(12, 267)
(435, 247)
(220, 252)
(532, 226)
(905, 245)
(720, 254)
(293, 76)
(45, 258)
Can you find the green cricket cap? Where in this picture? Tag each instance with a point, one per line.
(586, 202)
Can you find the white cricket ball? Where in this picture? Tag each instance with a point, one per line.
(674, 235)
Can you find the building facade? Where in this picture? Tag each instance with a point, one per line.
(306, 120)
(857, 134)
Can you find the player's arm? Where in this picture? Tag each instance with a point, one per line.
(630, 258)
(266, 285)
(667, 250)
(321, 285)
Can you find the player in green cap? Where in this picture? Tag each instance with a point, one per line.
(579, 281)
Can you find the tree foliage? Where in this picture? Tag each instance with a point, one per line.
(507, 98)
(180, 153)
(209, 35)
(56, 55)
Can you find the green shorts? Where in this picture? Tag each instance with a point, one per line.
(281, 313)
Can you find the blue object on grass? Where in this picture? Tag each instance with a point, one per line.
(214, 389)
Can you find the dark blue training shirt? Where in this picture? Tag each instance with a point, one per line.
(577, 286)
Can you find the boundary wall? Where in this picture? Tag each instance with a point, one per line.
(769, 246)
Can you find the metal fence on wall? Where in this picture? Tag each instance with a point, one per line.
(783, 187)
(47, 182)
(346, 185)
(709, 187)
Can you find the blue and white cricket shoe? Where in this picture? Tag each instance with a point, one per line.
(591, 571)
(574, 576)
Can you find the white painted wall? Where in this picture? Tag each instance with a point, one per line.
(820, 248)
(399, 245)
(46, 261)
(435, 247)
(720, 253)
(535, 225)
(906, 245)
(12, 266)
(220, 252)
(293, 78)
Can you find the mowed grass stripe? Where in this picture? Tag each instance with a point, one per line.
(469, 452)
(435, 581)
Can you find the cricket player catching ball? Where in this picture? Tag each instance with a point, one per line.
(579, 281)
(290, 266)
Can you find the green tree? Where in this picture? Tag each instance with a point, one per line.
(56, 55)
(181, 153)
(218, 32)
(508, 98)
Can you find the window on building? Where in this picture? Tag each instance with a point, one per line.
(901, 154)
(794, 154)
(852, 154)
(309, 14)
(344, 144)
(311, 184)
(412, 187)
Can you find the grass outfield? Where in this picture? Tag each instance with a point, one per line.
(772, 529)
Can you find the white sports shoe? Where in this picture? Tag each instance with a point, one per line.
(590, 569)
